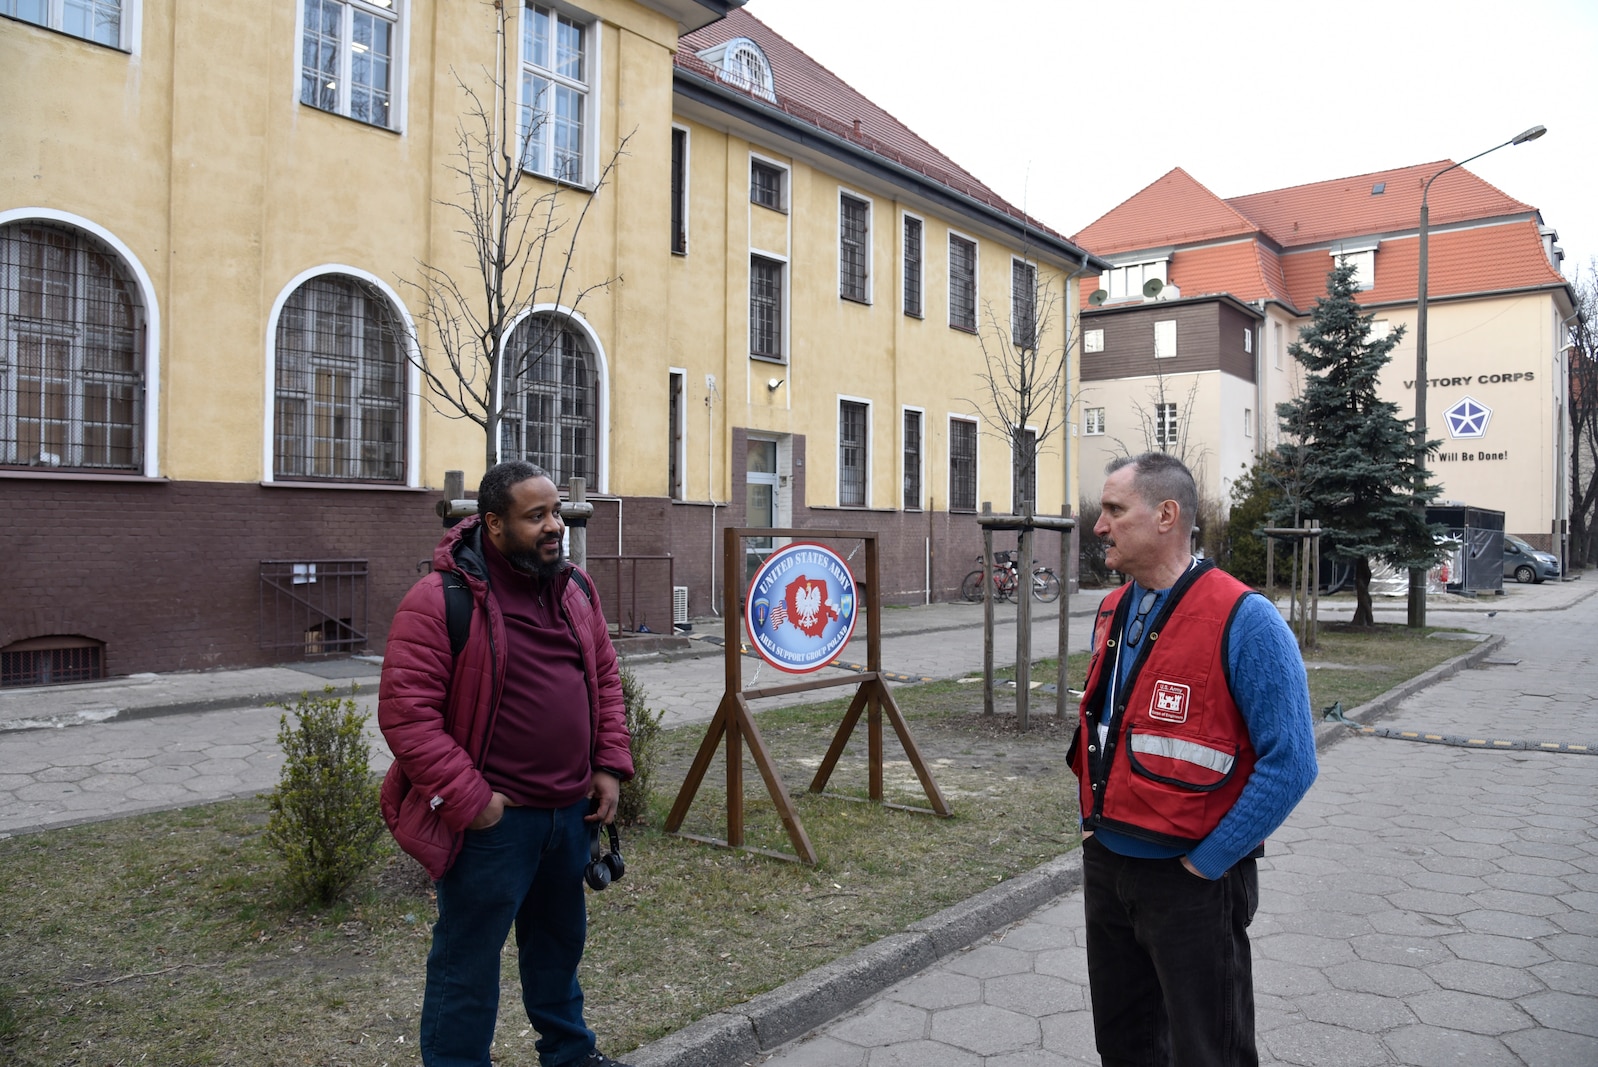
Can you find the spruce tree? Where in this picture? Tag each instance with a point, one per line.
(1355, 456)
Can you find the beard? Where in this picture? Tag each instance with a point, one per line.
(532, 560)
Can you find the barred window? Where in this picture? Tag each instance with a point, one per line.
(551, 401)
(765, 185)
(853, 418)
(912, 266)
(765, 308)
(854, 248)
(1023, 304)
(962, 465)
(71, 352)
(100, 21)
(1024, 474)
(962, 283)
(347, 58)
(912, 460)
(339, 411)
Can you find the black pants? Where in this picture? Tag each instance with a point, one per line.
(1168, 961)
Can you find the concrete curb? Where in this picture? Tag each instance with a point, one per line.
(735, 1036)
(1329, 733)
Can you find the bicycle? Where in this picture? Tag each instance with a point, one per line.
(1044, 585)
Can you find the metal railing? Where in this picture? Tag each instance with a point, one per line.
(636, 606)
(315, 606)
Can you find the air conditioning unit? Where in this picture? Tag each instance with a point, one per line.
(679, 604)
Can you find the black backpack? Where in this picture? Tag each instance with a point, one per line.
(458, 606)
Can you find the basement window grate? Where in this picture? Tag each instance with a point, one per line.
(51, 661)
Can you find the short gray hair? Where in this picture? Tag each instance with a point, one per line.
(1158, 477)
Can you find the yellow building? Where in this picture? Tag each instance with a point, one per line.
(217, 441)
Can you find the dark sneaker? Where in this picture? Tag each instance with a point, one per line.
(597, 1058)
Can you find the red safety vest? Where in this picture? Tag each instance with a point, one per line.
(1178, 751)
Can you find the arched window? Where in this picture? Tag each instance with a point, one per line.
(71, 352)
(550, 414)
(740, 62)
(339, 410)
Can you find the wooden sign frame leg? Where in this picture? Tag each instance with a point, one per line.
(734, 722)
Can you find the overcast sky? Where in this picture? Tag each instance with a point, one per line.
(1067, 108)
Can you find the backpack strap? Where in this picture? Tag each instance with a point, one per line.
(582, 583)
(457, 611)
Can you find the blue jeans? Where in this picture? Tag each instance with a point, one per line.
(527, 871)
(1168, 961)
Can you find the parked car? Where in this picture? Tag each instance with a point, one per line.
(1527, 564)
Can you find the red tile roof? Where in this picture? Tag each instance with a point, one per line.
(1175, 209)
(1178, 211)
(811, 93)
(1477, 260)
(1345, 207)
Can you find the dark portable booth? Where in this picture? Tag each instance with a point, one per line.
(1477, 565)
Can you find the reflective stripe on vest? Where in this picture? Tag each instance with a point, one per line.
(1187, 751)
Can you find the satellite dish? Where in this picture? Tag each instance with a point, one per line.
(1097, 297)
(1152, 287)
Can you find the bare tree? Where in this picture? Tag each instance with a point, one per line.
(1174, 437)
(1582, 400)
(1024, 373)
(522, 233)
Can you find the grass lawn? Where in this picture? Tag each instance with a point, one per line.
(163, 939)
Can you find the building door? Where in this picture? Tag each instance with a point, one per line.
(761, 501)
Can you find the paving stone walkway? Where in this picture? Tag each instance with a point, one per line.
(1425, 905)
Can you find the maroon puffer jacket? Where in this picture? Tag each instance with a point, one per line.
(434, 789)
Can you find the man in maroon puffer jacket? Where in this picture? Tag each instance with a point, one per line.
(507, 759)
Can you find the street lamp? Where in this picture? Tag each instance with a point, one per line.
(1417, 575)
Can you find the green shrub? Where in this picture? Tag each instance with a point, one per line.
(644, 725)
(324, 820)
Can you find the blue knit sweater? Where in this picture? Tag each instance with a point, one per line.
(1271, 690)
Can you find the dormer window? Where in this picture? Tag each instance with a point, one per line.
(740, 62)
(1363, 260)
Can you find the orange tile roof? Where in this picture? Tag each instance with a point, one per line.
(1345, 207)
(1476, 260)
(811, 93)
(1174, 209)
(1245, 269)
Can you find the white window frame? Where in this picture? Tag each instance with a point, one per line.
(976, 282)
(1363, 257)
(784, 335)
(866, 449)
(1248, 422)
(976, 459)
(151, 413)
(413, 395)
(683, 196)
(1165, 424)
(1278, 347)
(587, 87)
(784, 173)
(867, 274)
(1093, 341)
(1248, 340)
(1165, 339)
(1015, 336)
(905, 219)
(1127, 280)
(397, 13)
(1092, 422)
(1380, 328)
(129, 14)
(921, 470)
